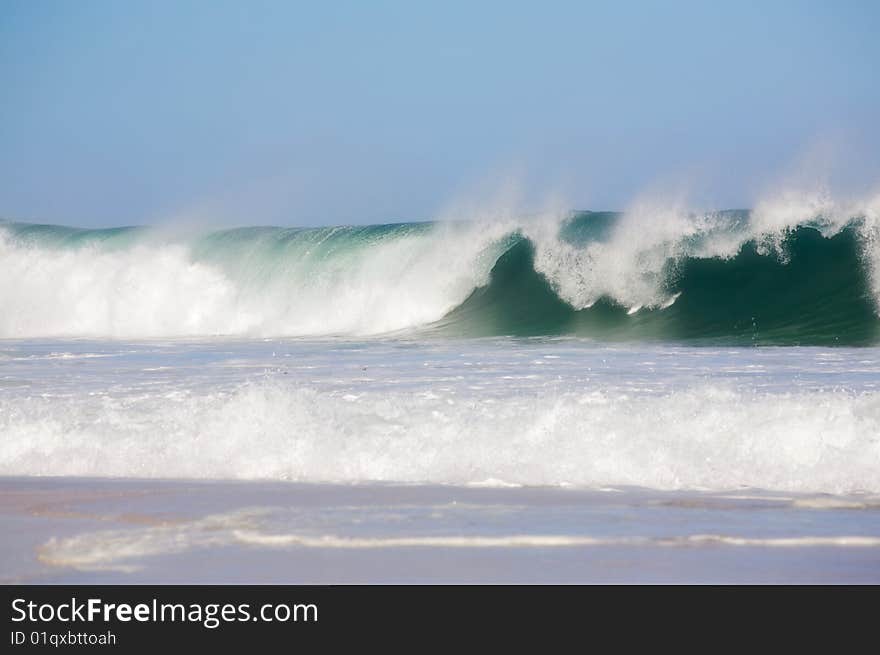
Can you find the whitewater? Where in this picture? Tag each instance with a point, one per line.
(662, 349)
(482, 412)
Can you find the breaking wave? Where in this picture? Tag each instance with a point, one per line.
(789, 273)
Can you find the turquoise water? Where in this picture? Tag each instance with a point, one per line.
(724, 278)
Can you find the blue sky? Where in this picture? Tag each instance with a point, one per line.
(334, 112)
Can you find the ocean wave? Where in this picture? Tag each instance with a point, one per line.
(784, 273)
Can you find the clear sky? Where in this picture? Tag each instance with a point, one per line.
(302, 113)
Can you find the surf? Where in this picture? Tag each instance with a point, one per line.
(761, 276)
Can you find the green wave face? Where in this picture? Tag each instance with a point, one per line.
(703, 279)
(818, 295)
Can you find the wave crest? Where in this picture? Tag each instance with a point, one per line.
(790, 272)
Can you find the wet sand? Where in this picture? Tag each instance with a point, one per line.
(125, 531)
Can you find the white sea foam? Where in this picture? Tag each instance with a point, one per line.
(628, 266)
(124, 550)
(156, 289)
(710, 437)
(832, 502)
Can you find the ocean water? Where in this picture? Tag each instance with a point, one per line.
(650, 396)
(488, 411)
(704, 351)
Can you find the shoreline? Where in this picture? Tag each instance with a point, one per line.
(135, 531)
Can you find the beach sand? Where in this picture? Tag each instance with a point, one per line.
(125, 531)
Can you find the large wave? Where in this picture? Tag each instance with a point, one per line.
(788, 273)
